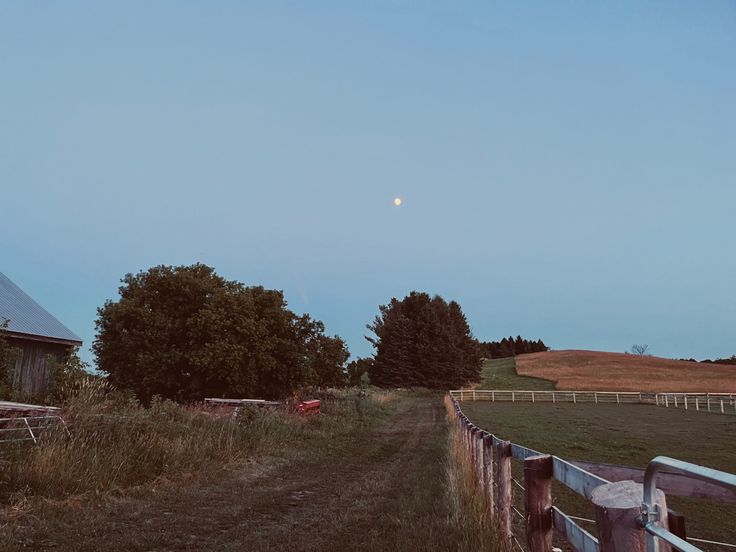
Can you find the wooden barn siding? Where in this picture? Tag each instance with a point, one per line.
(32, 373)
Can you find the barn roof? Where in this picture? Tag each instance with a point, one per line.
(26, 318)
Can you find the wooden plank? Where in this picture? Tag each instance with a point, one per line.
(676, 522)
(578, 537)
(577, 479)
(673, 484)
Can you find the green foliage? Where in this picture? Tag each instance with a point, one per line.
(69, 376)
(7, 360)
(185, 332)
(509, 347)
(423, 341)
(358, 371)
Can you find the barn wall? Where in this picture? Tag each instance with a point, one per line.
(32, 373)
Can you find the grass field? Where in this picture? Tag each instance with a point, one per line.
(591, 370)
(618, 434)
(501, 374)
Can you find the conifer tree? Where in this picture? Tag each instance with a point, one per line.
(423, 341)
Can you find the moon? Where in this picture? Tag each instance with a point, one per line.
(397, 201)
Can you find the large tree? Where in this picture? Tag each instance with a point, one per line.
(185, 333)
(423, 341)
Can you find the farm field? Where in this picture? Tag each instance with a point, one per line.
(592, 370)
(380, 486)
(623, 434)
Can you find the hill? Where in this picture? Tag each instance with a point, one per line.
(593, 370)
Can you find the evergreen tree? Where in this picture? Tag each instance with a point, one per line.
(423, 341)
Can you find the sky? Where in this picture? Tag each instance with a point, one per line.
(567, 169)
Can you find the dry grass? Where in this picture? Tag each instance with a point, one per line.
(468, 504)
(592, 370)
(114, 443)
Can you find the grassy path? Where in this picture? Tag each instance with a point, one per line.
(380, 489)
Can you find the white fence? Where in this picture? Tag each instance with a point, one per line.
(723, 403)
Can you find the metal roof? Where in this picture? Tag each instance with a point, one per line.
(27, 317)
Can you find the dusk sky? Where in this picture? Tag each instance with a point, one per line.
(567, 169)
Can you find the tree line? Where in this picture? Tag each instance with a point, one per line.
(510, 346)
(186, 333)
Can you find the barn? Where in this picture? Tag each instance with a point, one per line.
(36, 334)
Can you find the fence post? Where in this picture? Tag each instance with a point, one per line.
(553, 398)
(684, 397)
(676, 521)
(478, 447)
(697, 406)
(473, 394)
(721, 406)
(676, 402)
(574, 399)
(595, 395)
(503, 479)
(618, 514)
(708, 399)
(488, 471)
(538, 502)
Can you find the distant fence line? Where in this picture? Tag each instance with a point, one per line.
(630, 521)
(723, 403)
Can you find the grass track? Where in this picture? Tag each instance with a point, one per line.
(501, 374)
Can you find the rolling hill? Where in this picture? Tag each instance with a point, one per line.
(594, 370)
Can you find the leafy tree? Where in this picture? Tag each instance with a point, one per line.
(328, 357)
(358, 370)
(185, 333)
(423, 341)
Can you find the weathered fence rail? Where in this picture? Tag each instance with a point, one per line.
(722, 403)
(28, 428)
(629, 518)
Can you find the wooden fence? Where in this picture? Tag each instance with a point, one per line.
(722, 403)
(617, 504)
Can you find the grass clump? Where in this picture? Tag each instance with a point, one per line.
(468, 503)
(113, 442)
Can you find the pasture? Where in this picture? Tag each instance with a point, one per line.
(622, 434)
(592, 370)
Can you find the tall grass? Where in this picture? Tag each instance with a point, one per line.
(113, 442)
(468, 503)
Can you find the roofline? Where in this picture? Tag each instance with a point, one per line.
(45, 339)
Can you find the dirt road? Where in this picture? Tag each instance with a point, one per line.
(382, 489)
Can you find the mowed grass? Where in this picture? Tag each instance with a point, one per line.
(622, 434)
(599, 371)
(501, 374)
